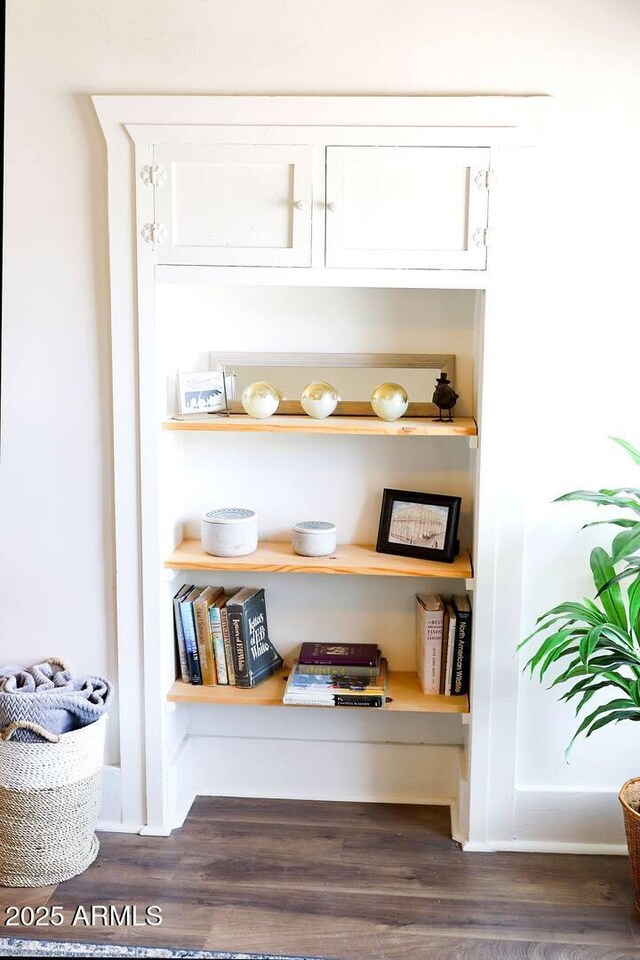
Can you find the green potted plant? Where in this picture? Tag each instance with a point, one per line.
(592, 647)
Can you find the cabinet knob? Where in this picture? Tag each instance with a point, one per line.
(298, 204)
(331, 207)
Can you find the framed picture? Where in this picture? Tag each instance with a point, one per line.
(423, 525)
(201, 392)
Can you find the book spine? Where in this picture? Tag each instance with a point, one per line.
(445, 649)
(328, 670)
(450, 648)
(238, 649)
(185, 675)
(462, 655)
(228, 653)
(430, 624)
(203, 639)
(190, 644)
(335, 701)
(218, 645)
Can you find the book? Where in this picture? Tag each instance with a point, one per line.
(215, 622)
(185, 675)
(320, 690)
(429, 627)
(461, 668)
(341, 670)
(451, 641)
(254, 656)
(203, 634)
(339, 654)
(189, 630)
(226, 639)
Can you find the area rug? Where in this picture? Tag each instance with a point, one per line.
(16, 947)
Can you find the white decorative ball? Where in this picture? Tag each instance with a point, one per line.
(389, 401)
(260, 400)
(319, 399)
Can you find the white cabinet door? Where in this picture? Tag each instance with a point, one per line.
(406, 207)
(234, 205)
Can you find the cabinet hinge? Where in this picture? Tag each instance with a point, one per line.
(154, 175)
(482, 237)
(154, 232)
(485, 179)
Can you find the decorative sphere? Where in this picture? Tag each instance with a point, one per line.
(319, 399)
(389, 401)
(260, 400)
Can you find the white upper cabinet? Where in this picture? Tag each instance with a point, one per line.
(407, 207)
(234, 204)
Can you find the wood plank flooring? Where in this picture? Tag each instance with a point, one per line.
(345, 882)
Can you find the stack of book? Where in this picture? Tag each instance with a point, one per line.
(223, 638)
(337, 675)
(444, 644)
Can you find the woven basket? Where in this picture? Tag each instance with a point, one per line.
(630, 800)
(49, 803)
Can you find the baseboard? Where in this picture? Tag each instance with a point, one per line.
(569, 820)
(561, 821)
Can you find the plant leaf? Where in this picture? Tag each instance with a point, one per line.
(619, 522)
(611, 597)
(601, 499)
(578, 611)
(549, 645)
(617, 715)
(632, 567)
(633, 595)
(626, 544)
(614, 705)
(631, 450)
(589, 643)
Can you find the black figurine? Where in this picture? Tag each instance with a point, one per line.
(444, 397)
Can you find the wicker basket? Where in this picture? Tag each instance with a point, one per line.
(630, 800)
(49, 803)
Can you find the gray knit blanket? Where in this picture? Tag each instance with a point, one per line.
(47, 694)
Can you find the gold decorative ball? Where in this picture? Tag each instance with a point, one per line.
(389, 401)
(260, 400)
(319, 399)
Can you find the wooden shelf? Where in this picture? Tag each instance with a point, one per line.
(349, 558)
(403, 689)
(364, 426)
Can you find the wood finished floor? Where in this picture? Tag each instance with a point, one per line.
(347, 882)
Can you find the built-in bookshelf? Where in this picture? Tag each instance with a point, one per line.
(403, 695)
(349, 558)
(290, 278)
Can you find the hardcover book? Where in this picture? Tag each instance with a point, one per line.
(341, 670)
(429, 626)
(215, 621)
(462, 647)
(320, 690)
(451, 640)
(339, 654)
(203, 634)
(189, 630)
(226, 639)
(254, 656)
(185, 675)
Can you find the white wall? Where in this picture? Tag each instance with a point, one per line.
(56, 591)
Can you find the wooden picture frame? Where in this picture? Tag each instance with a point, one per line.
(427, 534)
(445, 362)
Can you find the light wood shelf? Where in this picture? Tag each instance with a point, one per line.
(349, 558)
(403, 689)
(363, 426)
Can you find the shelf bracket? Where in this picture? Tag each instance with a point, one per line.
(473, 443)
(170, 575)
(469, 584)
